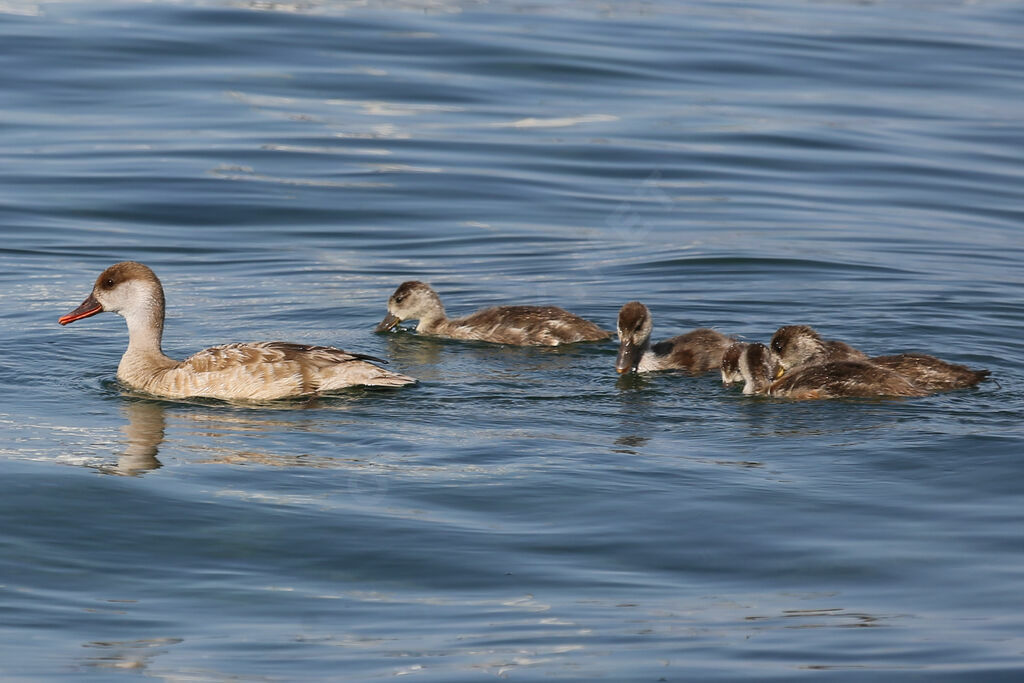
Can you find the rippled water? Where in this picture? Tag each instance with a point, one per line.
(521, 513)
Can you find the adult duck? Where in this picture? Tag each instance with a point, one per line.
(258, 371)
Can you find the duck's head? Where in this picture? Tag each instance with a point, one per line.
(796, 344)
(731, 363)
(634, 328)
(759, 366)
(413, 300)
(128, 288)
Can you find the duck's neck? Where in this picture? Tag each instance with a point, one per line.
(144, 356)
(432, 320)
(645, 346)
(755, 382)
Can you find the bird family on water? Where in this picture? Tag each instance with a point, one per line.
(797, 363)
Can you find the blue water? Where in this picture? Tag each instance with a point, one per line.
(521, 513)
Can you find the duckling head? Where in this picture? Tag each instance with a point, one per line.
(634, 328)
(413, 300)
(759, 366)
(796, 344)
(731, 363)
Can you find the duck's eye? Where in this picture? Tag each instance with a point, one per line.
(399, 298)
(108, 283)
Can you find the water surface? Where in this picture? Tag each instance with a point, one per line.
(521, 513)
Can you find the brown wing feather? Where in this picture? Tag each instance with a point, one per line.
(836, 350)
(526, 325)
(699, 350)
(228, 356)
(843, 378)
(931, 373)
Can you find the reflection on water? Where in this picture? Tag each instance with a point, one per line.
(143, 432)
(420, 355)
(720, 162)
(220, 434)
(633, 381)
(128, 654)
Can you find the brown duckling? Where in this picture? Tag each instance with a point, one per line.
(517, 325)
(697, 351)
(798, 345)
(731, 364)
(833, 379)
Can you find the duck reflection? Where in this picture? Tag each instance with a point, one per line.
(415, 354)
(220, 434)
(424, 356)
(635, 413)
(143, 434)
(128, 654)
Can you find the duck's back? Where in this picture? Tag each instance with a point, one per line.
(836, 350)
(263, 371)
(931, 373)
(855, 379)
(525, 326)
(699, 350)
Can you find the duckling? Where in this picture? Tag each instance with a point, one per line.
(758, 366)
(833, 379)
(798, 345)
(697, 351)
(258, 371)
(516, 325)
(731, 364)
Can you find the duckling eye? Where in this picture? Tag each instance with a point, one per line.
(399, 298)
(108, 283)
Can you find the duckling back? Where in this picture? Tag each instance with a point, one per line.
(931, 373)
(853, 379)
(523, 326)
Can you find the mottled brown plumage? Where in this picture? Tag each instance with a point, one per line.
(931, 373)
(833, 379)
(844, 378)
(697, 351)
(758, 367)
(259, 371)
(797, 345)
(731, 363)
(515, 325)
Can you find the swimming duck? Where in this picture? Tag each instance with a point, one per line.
(697, 351)
(798, 345)
(253, 372)
(731, 364)
(833, 379)
(517, 325)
